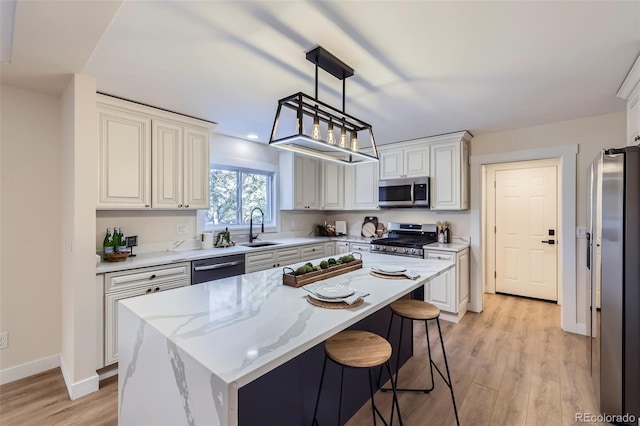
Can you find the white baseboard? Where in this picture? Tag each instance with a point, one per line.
(27, 369)
(81, 388)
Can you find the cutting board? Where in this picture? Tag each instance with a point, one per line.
(369, 226)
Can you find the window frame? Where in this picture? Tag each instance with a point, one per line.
(272, 185)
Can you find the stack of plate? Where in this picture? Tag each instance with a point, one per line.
(330, 292)
(392, 270)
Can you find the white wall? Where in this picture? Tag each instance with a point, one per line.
(30, 262)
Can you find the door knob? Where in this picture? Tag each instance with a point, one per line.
(549, 242)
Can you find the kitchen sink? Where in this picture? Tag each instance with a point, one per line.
(259, 244)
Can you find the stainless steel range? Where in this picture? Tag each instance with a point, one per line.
(405, 239)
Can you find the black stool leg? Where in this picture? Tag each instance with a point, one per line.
(340, 401)
(373, 406)
(431, 363)
(315, 411)
(395, 398)
(388, 335)
(446, 364)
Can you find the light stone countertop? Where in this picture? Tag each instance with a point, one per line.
(168, 257)
(233, 331)
(453, 247)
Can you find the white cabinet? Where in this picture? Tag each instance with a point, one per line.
(312, 251)
(125, 159)
(407, 160)
(137, 282)
(449, 291)
(272, 258)
(361, 186)
(450, 172)
(342, 247)
(630, 90)
(359, 247)
(300, 182)
(330, 248)
(333, 185)
(151, 158)
(180, 164)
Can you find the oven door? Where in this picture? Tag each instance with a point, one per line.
(395, 193)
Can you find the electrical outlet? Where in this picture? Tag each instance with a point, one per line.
(181, 229)
(581, 231)
(4, 340)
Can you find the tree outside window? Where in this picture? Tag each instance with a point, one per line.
(235, 192)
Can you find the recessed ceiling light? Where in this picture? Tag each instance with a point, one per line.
(252, 136)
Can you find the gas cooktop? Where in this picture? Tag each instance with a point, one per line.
(406, 239)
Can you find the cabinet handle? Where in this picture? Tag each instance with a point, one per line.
(179, 205)
(152, 276)
(157, 289)
(149, 290)
(186, 206)
(637, 138)
(147, 205)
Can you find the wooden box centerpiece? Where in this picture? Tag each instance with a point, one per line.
(295, 278)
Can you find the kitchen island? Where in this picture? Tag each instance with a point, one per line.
(210, 353)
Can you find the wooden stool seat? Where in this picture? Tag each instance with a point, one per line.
(360, 349)
(415, 309)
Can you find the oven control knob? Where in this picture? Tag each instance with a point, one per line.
(413, 251)
(404, 250)
(384, 248)
(374, 248)
(393, 249)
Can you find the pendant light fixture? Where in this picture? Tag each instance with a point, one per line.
(296, 110)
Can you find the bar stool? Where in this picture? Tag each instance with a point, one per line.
(419, 311)
(358, 349)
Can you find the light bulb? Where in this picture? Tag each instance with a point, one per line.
(331, 137)
(315, 130)
(343, 138)
(299, 128)
(354, 141)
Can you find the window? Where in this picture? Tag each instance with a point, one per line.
(237, 191)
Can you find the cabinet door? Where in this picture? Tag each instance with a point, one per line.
(311, 173)
(391, 164)
(330, 248)
(125, 160)
(364, 186)
(167, 165)
(633, 118)
(416, 161)
(464, 175)
(359, 247)
(445, 176)
(333, 188)
(299, 186)
(196, 168)
(310, 252)
(111, 315)
(441, 291)
(342, 248)
(463, 279)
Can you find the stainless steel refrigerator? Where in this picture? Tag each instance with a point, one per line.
(614, 224)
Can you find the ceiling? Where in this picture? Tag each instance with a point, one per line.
(422, 68)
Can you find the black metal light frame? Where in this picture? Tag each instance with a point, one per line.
(307, 106)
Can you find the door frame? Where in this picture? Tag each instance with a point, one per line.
(567, 210)
(489, 217)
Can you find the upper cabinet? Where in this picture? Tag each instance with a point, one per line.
(300, 182)
(630, 90)
(450, 171)
(151, 158)
(409, 160)
(333, 185)
(361, 186)
(180, 166)
(125, 159)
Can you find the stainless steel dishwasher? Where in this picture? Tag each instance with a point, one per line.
(216, 267)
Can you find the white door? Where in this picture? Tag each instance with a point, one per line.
(526, 214)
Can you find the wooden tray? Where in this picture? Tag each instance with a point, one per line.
(298, 281)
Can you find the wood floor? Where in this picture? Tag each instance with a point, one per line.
(511, 365)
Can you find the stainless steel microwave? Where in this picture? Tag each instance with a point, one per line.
(407, 192)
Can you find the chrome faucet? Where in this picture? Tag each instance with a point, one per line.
(251, 236)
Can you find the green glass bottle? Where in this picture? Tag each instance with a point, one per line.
(122, 245)
(107, 245)
(116, 239)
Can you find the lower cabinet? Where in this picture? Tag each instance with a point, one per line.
(343, 247)
(137, 282)
(450, 291)
(330, 248)
(273, 258)
(359, 247)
